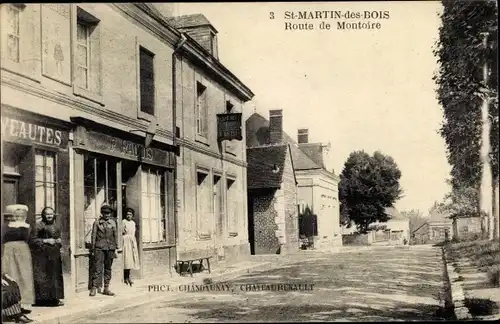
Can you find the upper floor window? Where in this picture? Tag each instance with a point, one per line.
(213, 44)
(13, 32)
(87, 56)
(147, 81)
(82, 55)
(201, 110)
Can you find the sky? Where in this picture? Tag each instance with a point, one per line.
(355, 89)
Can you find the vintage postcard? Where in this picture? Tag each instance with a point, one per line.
(250, 162)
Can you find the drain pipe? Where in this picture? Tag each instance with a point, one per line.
(179, 45)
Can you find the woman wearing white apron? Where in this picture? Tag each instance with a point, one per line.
(130, 250)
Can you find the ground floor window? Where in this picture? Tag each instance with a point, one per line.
(100, 186)
(45, 181)
(153, 205)
(233, 205)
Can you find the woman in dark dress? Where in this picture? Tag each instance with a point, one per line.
(11, 302)
(46, 248)
(16, 254)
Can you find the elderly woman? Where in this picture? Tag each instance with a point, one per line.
(130, 250)
(16, 254)
(11, 302)
(46, 248)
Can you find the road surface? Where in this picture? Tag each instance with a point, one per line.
(376, 284)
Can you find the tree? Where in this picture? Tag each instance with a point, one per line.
(415, 217)
(467, 90)
(368, 185)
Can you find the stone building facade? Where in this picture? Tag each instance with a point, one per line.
(93, 112)
(317, 188)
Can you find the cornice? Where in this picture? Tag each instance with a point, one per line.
(93, 109)
(142, 14)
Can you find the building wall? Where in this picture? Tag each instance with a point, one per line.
(320, 193)
(291, 215)
(467, 227)
(225, 159)
(275, 215)
(265, 212)
(34, 86)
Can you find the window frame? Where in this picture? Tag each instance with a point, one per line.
(23, 67)
(36, 150)
(93, 24)
(87, 53)
(201, 112)
(17, 10)
(141, 114)
(162, 219)
(232, 215)
(89, 155)
(201, 232)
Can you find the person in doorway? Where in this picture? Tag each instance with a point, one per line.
(46, 248)
(16, 254)
(103, 249)
(11, 302)
(130, 250)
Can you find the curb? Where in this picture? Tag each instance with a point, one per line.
(455, 297)
(145, 297)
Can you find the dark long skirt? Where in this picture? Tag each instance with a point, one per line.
(49, 284)
(11, 294)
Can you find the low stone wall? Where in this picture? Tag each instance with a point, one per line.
(454, 292)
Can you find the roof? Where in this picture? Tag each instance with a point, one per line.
(261, 162)
(257, 133)
(186, 21)
(314, 151)
(438, 217)
(395, 214)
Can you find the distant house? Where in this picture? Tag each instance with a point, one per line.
(393, 232)
(466, 227)
(317, 188)
(434, 229)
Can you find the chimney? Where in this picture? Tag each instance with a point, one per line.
(303, 135)
(276, 126)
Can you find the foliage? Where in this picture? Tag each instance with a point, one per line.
(461, 54)
(415, 217)
(463, 201)
(368, 185)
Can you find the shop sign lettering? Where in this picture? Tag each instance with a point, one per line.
(128, 150)
(131, 149)
(19, 130)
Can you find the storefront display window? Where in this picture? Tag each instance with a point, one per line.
(153, 205)
(99, 188)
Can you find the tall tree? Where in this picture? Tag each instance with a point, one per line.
(467, 90)
(368, 185)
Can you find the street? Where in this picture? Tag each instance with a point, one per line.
(374, 284)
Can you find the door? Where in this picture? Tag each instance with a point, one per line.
(218, 212)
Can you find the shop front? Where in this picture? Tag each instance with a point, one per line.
(114, 167)
(35, 169)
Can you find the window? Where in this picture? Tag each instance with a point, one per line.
(153, 206)
(87, 56)
(201, 110)
(45, 181)
(147, 81)
(13, 34)
(203, 205)
(100, 184)
(232, 207)
(82, 55)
